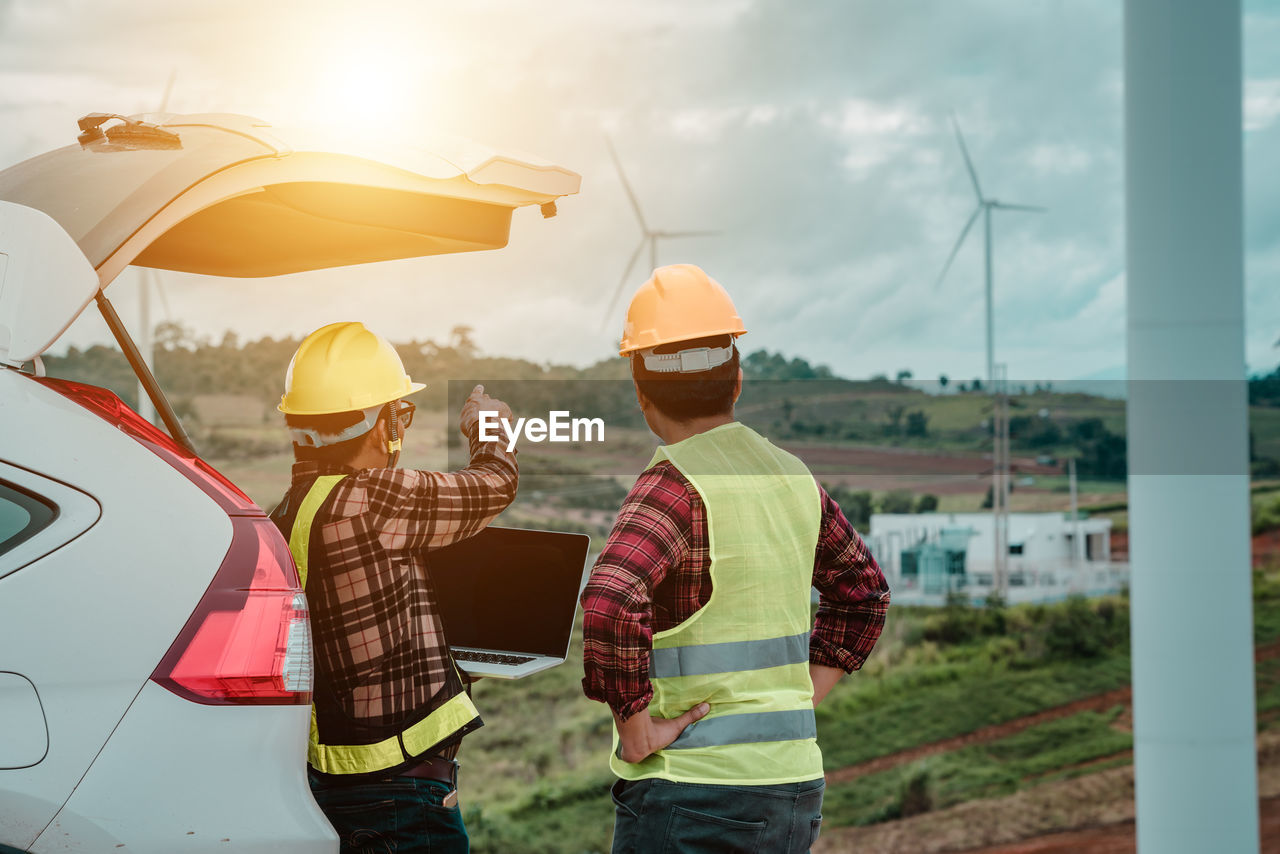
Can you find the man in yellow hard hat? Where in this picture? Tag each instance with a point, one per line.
(390, 706)
(697, 615)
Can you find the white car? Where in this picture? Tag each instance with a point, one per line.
(155, 669)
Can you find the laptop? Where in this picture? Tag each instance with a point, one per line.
(508, 598)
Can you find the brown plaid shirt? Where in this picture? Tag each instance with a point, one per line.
(378, 637)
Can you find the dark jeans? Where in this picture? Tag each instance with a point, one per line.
(658, 816)
(400, 815)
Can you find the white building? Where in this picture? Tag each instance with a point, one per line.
(1050, 556)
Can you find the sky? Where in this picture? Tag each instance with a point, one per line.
(815, 138)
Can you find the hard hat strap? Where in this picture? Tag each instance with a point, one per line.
(310, 438)
(692, 361)
(393, 439)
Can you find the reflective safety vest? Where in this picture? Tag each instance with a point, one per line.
(746, 651)
(450, 715)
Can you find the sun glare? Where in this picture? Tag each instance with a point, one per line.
(374, 84)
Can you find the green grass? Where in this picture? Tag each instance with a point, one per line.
(980, 771)
(915, 691)
(535, 778)
(928, 703)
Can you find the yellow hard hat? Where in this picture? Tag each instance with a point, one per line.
(342, 367)
(678, 303)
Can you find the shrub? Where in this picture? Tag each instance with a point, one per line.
(916, 796)
(917, 423)
(1075, 630)
(897, 501)
(1266, 516)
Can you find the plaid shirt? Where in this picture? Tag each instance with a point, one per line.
(378, 638)
(655, 572)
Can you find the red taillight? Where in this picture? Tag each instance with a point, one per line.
(249, 640)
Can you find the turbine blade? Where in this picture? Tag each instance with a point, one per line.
(168, 90)
(617, 292)
(1030, 208)
(959, 241)
(626, 185)
(160, 290)
(964, 150)
(686, 233)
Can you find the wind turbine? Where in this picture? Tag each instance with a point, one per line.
(985, 206)
(146, 342)
(650, 236)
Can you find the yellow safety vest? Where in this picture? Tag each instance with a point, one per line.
(746, 651)
(446, 719)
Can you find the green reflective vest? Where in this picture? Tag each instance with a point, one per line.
(448, 718)
(746, 652)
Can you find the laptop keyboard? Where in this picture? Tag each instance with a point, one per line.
(490, 657)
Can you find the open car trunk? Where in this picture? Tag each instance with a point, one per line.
(230, 195)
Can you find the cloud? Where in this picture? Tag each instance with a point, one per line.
(1261, 103)
(817, 140)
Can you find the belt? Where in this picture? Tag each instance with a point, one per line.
(440, 770)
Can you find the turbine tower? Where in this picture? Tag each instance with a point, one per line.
(985, 206)
(649, 236)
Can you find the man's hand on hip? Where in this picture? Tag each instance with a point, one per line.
(642, 734)
(824, 679)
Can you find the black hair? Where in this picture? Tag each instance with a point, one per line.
(341, 453)
(688, 396)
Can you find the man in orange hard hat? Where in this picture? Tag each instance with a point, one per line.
(390, 706)
(697, 621)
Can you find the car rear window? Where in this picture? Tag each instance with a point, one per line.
(22, 515)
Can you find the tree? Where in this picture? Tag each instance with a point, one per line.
(917, 423)
(1034, 432)
(942, 381)
(764, 365)
(174, 336)
(895, 413)
(928, 503)
(897, 501)
(461, 340)
(856, 505)
(903, 376)
(986, 500)
(1264, 389)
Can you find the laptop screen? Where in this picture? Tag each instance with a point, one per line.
(510, 589)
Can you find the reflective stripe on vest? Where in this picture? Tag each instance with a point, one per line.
(446, 720)
(300, 536)
(746, 651)
(748, 729)
(725, 657)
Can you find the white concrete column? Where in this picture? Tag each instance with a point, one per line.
(1192, 619)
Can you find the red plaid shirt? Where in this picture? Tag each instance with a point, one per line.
(655, 572)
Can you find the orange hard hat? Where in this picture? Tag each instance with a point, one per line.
(678, 303)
